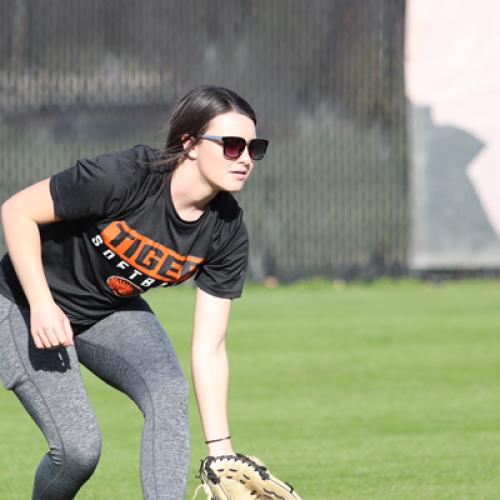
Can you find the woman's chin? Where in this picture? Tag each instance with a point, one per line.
(234, 188)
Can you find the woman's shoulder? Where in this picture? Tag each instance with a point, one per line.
(226, 208)
(122, 169)
(229, 234)
(143, 154)
(140, 156)
(103, 185)
(229, 223)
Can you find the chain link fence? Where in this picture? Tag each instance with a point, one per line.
(325, 78)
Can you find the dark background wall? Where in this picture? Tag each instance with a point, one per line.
(325, 77)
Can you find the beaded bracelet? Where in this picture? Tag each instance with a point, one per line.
(215, 440)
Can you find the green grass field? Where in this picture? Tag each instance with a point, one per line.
(380, 391)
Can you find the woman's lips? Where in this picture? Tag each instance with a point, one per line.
(239, 173)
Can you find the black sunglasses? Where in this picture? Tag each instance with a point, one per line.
(233, 147)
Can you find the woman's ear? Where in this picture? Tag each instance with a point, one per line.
(188, 143)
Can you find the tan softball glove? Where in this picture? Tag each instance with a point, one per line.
(241, 477)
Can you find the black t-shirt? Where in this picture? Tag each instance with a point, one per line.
(120, 235)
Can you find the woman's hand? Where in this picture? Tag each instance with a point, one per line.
(50, 327)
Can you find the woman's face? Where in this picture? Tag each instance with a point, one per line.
(222, 173)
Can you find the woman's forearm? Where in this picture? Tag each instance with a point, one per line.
(211, 382)
(22, 237)
(21, 214)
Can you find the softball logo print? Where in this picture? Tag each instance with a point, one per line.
(149, 263)
(122, 286)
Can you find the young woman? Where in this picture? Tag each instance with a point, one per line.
(83, 245)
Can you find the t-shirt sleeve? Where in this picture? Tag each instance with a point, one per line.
(223, 275)
(93, 188)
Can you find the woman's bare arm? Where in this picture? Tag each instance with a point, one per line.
(21, 214)
(210, 368)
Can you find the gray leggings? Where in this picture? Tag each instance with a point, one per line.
(130, 351)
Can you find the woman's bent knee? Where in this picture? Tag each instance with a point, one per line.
(81, 453)
(174, 389)
(166, 395)
(180, 386)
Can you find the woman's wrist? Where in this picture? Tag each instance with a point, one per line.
(208, 441)
(41, 301)
(223, 447)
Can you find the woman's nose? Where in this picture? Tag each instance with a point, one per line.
(245, 157)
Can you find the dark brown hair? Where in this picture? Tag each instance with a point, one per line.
(191, 116)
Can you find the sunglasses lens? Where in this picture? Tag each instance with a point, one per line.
(233, 147)
(257, 148)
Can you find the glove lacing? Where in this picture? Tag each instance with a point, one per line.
(260, 469)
